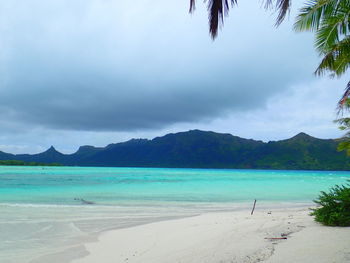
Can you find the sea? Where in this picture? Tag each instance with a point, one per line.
(48, 213)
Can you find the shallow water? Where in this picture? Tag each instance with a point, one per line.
(42, 212)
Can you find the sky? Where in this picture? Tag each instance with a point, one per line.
(94, 72)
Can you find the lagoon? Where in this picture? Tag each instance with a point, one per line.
(42, 212)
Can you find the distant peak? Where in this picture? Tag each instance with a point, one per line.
(302, 135)
(52, 149)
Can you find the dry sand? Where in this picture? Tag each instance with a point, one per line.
(225, 237)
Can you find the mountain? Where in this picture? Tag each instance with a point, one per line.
(203, 149)
(6, 156)
(49, 156)
(302, 152)
(185, 149)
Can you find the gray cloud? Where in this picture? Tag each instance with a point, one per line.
(119, 66)
(116, 103)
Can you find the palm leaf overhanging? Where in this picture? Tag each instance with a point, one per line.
(330, 20)
(218, 9)
(281, 6)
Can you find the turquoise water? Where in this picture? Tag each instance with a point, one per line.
(42, 215)
(106, 186)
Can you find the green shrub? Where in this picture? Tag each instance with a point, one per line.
(334, 207)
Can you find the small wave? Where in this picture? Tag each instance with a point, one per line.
(37, 205)
(31, 205)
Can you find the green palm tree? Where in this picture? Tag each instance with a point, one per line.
(218, 9)
(330, 20)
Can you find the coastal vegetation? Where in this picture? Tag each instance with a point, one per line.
(334, 207)
(23, 163)
(344, 144)
(203, 149)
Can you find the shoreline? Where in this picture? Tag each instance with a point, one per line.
(178, 168)
(61, 238)
(220, 237)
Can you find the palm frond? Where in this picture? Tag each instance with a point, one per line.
(331, 30)
(192, 6)
(282, 6)
(337, 59)
(217, 10)
(268, 4)
(327, 35)
(331, 21)
(343, 102)
(312, 14)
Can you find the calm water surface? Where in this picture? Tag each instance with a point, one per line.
(42, 212)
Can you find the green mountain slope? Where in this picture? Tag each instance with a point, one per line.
(202, 149)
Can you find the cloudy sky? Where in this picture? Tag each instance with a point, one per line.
(93, 72)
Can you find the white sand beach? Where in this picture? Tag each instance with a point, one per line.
(225, 237)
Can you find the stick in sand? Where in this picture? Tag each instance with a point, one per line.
(253, 207)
